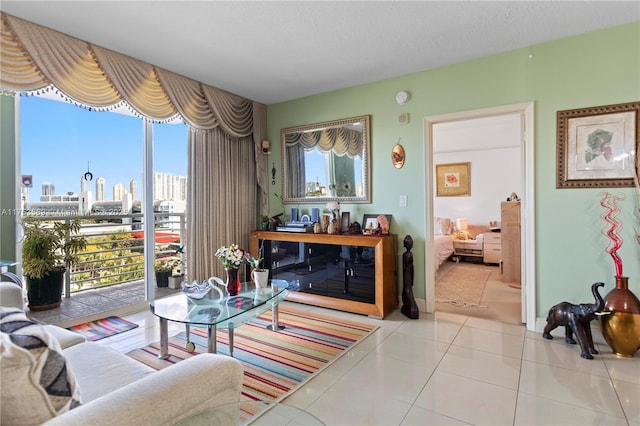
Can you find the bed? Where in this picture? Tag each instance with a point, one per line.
(442, 241)
(442, 249)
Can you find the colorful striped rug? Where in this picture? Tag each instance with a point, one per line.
(274, 363)
(105, 327)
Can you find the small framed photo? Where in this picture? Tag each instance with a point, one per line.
(345, 222)
(453, 179)
(370, 223)
(596, 146)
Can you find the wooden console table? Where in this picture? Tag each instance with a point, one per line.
(353, 273)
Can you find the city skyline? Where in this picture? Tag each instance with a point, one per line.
(166, 186)
(61, 142)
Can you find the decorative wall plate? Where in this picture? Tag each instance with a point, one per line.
(397, 156)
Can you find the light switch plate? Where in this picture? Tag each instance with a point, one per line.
(403, 201)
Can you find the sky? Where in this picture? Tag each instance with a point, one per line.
(60, 142)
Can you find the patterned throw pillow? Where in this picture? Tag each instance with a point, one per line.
(36, 383)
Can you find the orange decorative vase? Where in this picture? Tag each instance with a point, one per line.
(621, 320)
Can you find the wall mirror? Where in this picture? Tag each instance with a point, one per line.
(327, 161)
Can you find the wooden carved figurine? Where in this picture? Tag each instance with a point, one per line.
(577, 320)
(409, 307)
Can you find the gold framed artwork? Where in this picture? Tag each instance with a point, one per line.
(453, 179)
(596, 146)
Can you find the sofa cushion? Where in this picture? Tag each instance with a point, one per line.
(100, 370)
(37, 383)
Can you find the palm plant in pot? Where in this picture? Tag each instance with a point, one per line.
(47, 252)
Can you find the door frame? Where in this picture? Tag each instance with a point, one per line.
(527, 153)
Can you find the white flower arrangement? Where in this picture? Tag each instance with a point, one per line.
(232, 257)
(334, 208)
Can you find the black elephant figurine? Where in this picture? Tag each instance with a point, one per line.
(577, 320)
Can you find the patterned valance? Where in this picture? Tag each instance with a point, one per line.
(339, 140)
(35, 58)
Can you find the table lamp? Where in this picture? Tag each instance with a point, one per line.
(462, 225)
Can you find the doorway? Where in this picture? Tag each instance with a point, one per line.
(524, 160)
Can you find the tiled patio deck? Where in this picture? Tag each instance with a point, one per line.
(90, 305)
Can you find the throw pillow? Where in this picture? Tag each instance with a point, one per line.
(37, 385)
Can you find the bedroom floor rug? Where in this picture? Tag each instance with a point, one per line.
(462, 286)
(274, 363)
(105, 327)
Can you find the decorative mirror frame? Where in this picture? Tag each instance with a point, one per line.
(366, 160)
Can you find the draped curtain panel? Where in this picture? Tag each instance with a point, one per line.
(296, 172)
(222, 205)
(34, 59)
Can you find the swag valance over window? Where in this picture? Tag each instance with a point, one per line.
(35, 59)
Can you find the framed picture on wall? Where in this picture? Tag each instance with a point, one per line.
(595, 146)
(453, 179)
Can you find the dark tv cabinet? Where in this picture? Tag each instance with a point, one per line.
(353, 273)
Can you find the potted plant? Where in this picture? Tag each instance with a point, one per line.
(264, 223)
(47, 252)
(177, 276)
(259, 276)
(164, 268)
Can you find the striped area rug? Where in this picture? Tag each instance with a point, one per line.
(274, 363)
(105, 327)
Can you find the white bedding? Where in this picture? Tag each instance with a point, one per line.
(442, 249)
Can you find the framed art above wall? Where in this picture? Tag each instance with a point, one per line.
(453, 179)
(596, 146)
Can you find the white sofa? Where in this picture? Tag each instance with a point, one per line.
(116, 390)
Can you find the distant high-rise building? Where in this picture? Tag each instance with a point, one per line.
(83, 184)
(100, 183)
(169, 187)
(48, 188)
(132, 189)
(118, 192)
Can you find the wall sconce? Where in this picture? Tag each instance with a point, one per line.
(462, 225)
(265, 147)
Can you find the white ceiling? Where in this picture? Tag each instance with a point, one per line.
(273, 51)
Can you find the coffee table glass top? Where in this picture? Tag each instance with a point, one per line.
(253, 412)
(230, 311)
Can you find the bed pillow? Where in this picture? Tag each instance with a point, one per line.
(41, 384)
(441, 226)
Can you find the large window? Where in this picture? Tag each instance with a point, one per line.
(90, 164)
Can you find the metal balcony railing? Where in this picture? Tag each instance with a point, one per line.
(115, 250)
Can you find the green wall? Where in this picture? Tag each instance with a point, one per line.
(7, 177)
(594, 69)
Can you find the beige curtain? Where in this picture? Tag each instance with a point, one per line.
(35, 59)
(220, 180)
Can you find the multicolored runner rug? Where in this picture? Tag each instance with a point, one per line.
(105, 327)
(274, 363)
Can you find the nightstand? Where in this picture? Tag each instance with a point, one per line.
(492, 247)
(472, 248)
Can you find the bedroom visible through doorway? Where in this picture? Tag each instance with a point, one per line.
(492, 146)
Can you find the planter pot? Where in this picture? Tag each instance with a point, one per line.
(45, 293)
(175, 281)
(162, 278)
(260, 277)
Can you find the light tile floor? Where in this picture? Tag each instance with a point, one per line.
(450, 369)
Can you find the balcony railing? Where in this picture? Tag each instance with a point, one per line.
(115, 249)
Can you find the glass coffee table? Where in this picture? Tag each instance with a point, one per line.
(252, 412)
(214, 312)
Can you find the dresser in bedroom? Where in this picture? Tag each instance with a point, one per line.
(510, 241)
